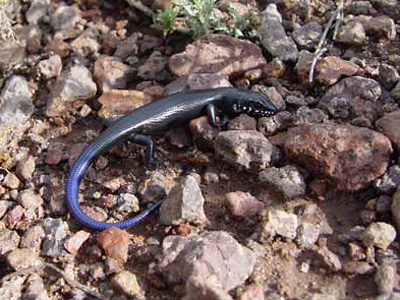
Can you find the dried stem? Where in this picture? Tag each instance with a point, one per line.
(336, 15)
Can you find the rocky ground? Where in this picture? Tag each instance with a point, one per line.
(302, 205)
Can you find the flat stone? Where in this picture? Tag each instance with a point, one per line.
(184, 203)
(287, 180)
(389, 125)
(218, 54)
(378, 234)
(352, 157)
(274, 38)
(116, 103)
(184, 257)
(23, 258)
(244, 148)
(278, 222)
(111, 73)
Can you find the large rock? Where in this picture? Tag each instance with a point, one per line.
(75, 83)
(352, 97)
(214, 256)
(218, 54)
(244, 148)
(16, 108)
(389, 125)
(274, 38)
(350, 156)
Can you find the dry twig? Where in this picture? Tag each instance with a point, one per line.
(337, 16)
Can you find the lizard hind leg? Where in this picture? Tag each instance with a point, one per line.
(147, 141)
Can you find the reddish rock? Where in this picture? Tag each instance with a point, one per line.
(218, 54)
(243, 204)
(55, 153)
(115, 242)
(59, 47)
(389, 125)
(350, 156)
(331, 68)
(120, 102)
(110, 73)
(14, 216)
(73, 243)
(114, 184)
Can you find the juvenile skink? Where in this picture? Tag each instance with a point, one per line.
(139, 124)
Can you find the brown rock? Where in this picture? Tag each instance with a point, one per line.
(73, 243)
(110, 73)
(115, 243)
(243, 204)
(117, 103)
(275, 69)
(303, 66)
(219, 54)
(389, 125)
(33, 237)
(350, 156)
(23, 258)
(331, 68)
(95, 212)
(14, 216)
(203, 132)
(59, 47)
(55, 153)
(11, 181)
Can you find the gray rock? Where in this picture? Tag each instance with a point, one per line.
(196, 82)
(339, 107)
(395, 208)
(274, 38)
(35, 289)
(16, 108)
(56, 231)
(50, 67)
(11, 53)
(307, 235)
(12, 289)
(37, 10)
(128, 203)
(381, 26)
(389, 181)
(9, 241)
(378, 234)
(201, 289)
(155, 68)
(306, 115)
(331, 260)
(212, 256)
(129, 47)
(308, 35)
(388, 75)
(287, 180)
(29, 199)
(395, 93)
(278, 222)
(244, 148)
(74, 83)
(26, 168)
(385, 276)
(65, 17)
(352, 33)
(185, 202)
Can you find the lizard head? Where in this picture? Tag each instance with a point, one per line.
(251, 103)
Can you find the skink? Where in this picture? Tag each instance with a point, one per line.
(137, 126)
